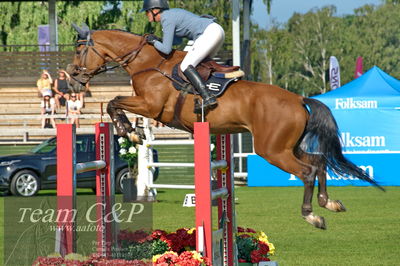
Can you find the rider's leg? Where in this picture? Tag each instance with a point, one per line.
(194, 77)
(205, 45)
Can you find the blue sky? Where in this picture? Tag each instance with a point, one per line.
(282, 10)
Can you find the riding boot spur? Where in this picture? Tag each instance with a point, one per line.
(209, 100)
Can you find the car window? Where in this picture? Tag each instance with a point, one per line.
(92, 146)
(81, 145)
(46, 146)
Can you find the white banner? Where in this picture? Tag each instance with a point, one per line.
(334, 73)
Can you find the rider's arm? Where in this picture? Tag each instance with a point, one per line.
(165, 46)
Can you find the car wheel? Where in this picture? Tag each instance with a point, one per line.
(25, 183)
(123, 174)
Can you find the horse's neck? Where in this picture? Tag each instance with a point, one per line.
(149, 57)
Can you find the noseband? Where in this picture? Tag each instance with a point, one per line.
(80, 72)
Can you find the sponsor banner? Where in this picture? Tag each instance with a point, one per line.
(364, 103)
(369, 130)
(334, 73)
(381, 167)
(44, 37)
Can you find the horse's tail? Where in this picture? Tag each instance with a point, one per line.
(321, 128)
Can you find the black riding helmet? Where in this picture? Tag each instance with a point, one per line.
(150, 4)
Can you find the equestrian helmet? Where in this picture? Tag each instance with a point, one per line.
(150, 4)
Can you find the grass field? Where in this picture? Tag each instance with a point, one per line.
(367, 234)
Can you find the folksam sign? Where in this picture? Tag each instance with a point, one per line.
(381, 167)
(367, 111)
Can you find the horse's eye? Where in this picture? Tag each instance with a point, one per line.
(78, 52)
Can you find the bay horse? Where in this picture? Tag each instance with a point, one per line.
(297, 134)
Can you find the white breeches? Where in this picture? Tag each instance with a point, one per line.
(207, 44)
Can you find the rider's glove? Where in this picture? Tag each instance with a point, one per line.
(151, 39)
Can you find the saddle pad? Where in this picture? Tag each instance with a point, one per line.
(215, 85)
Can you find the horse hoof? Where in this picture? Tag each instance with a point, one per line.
(342, 208)
(335, 205)
(140, 132)
(134, 138)
(317, 221)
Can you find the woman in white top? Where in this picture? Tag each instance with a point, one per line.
(74, 109)
(48, 106)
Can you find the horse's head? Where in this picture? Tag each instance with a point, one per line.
(94, 49)
(85, 64)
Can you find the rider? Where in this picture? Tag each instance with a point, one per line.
(177, 23)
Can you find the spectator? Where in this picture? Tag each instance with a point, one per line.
(80, 92)
(44, 84)
(61, 88)
(74, 109)
(48, 108)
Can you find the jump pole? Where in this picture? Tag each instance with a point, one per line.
(67, 168)
(210, 242)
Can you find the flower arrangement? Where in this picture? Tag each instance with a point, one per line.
(253, 246)
(77, 260)
(183, 259)
(162, 248)
(128, 151)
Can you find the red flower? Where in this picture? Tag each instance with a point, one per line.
(138, 236)
(157, 234)
(167, 259)
(249, 230)
(240, 229)
(263, 247)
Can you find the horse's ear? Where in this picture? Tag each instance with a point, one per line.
(76, 28)
(85, 28)
(82, 32)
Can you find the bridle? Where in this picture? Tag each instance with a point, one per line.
(77, 73)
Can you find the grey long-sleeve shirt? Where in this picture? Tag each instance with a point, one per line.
(178, 23)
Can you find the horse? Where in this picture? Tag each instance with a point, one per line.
(297, 134)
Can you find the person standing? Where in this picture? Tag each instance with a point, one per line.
(208, 37)
(47, 108)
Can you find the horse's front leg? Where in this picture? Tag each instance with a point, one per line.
(120, 120)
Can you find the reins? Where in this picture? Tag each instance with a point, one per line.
(122, 60)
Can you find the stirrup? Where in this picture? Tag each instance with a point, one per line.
(198, 105)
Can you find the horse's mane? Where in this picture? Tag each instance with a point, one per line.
(125, 31)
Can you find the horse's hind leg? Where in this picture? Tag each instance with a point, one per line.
(287, 161)
(323, 198)
(308, 215)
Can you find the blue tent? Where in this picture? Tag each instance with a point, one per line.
(367, 111)
(373, 90)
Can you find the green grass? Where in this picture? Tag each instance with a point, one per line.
(14, 149)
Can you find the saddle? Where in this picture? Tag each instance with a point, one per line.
(216, 77)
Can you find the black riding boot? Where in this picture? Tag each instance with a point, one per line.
(209, 100)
